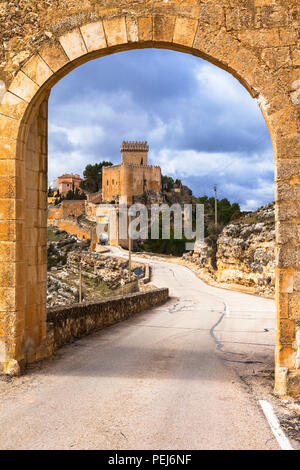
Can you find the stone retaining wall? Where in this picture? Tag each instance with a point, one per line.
(67, 323)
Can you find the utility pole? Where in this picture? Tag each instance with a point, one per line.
(80, 283)
(216, 207)
(129, 247)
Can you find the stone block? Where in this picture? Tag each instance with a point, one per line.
(115, 31)
(93, 35)
(54, 55)
(8, 148)
(73, 44)
(7, 167)
(285, 280)
(12, 106)
(145, 27)
(294, 306)
(8, 187)
(293, 384)
(8, 209)
(7, 230)
(37, 69)
(132, 29)
(287, 256)
(287, 232)
(287, 169)
(287, 210)
(287, 146)
(23, 86)
(8, 251)
(163, 28)
(282, 305)
(8, 275)
(281, 374)
(12, 323)
(9, 127)
(12, 298)
(287, 332)
(184, 31)
(288, 191)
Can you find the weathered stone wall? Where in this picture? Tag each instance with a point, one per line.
(71, 322)
(257, 41)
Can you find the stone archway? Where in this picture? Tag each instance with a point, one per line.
(256, 41)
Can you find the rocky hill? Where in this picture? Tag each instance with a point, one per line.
(242, 256)
(102, 275)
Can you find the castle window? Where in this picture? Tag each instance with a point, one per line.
(107, 182)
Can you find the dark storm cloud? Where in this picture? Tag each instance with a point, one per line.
(201, 124)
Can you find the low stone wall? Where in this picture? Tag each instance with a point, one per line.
(67, 323)
(67, 208)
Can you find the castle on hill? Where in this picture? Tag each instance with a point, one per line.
(133, 177)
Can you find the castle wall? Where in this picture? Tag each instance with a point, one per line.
(135, 157)
(129, 180)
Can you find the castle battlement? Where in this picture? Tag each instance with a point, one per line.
(136, 165)
(130, 146)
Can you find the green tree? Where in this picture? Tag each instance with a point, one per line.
(167, 182)
(92, 175)
(75, 195)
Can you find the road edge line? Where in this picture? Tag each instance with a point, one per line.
(274, 424)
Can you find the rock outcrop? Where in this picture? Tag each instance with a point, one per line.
(102, 275)
(242, 256)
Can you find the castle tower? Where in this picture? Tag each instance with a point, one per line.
(133, 177)
(135, 153)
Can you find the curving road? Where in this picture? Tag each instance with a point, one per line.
(161, 380)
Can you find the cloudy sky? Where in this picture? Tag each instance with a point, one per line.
(201, 124)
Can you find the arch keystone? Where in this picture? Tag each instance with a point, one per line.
(93, 35)
(163, 28)
(73, 44)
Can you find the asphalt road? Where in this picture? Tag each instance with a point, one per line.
(162, 380)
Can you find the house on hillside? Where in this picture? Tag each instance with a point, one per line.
(68, 182)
